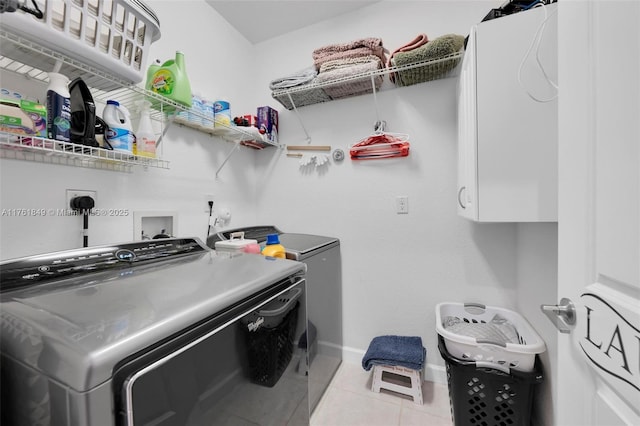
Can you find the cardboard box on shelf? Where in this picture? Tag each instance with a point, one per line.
(268, 123)
(23, 117)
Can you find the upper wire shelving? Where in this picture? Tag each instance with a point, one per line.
(44, 150)
(31, 60)
(405, 75)
(369, 82)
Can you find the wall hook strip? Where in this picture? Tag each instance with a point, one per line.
(308, 147)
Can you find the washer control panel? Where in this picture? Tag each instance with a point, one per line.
(48, 267)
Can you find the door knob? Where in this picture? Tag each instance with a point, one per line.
(562, 315)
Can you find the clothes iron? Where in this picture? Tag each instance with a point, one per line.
(83, 114)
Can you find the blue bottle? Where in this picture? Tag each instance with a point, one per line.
(58, 108)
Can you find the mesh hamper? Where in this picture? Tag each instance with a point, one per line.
(519, 356)
(270, 334)
(484, 396)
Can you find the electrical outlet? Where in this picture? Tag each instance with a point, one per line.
(73, 193)
(402, 204)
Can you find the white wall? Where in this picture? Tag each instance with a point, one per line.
(218, 59)
(396, 268)
(537, 285)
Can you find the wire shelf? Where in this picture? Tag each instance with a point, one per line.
(31, 60)
(244, 135)
(43, 150)
(419, 72)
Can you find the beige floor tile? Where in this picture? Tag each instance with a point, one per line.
(414, 417)
(340, 407)
(435, 399)
(349, 401)
(354, 378)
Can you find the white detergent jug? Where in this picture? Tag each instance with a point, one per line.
(119, 133)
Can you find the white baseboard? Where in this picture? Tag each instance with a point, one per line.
(329, 349)
(435, 373)
(352, 355)
(432, 373)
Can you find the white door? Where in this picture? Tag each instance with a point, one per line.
(598, 370)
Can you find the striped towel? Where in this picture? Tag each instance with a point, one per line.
(342, 68)
(361, 47)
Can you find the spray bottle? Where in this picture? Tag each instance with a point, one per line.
(145, 137)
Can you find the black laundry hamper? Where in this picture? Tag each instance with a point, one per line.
(484, 396)
(270, 335)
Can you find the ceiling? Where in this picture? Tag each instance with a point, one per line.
(261, 20)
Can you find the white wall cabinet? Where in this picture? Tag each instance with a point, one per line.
(507, 141)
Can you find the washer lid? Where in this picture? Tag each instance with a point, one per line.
(305, 245)
(258, 233)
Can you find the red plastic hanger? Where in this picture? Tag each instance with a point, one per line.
(381, 145)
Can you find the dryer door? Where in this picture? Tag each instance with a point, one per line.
(235, 367)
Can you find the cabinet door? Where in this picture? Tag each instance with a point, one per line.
(515, 156)
(467, 134)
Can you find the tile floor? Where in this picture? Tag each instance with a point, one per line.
(349, 401)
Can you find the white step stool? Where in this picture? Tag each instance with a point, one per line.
(399, 379)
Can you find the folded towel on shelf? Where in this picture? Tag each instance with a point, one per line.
(342, 68)
(297, 78)
(403, 351)
(347, 62)
(308, 95)
(352, 49)
(419, 40)
(438, 48)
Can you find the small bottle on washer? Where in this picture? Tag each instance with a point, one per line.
(273, 247)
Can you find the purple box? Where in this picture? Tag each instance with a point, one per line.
(268, 123)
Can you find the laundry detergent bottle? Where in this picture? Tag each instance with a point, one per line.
(170, 80)
(118, 133)
(273, 247)
(145, 137)
(58, 108)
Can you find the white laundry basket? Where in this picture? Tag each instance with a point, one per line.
(518, 356)
(112, 36)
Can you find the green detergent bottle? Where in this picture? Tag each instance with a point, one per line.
(170, 80)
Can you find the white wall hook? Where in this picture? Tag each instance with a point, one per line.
(307, 160)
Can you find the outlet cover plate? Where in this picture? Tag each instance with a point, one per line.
(402, 204)
(73, 193)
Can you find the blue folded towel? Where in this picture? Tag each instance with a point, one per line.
(404, 351)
